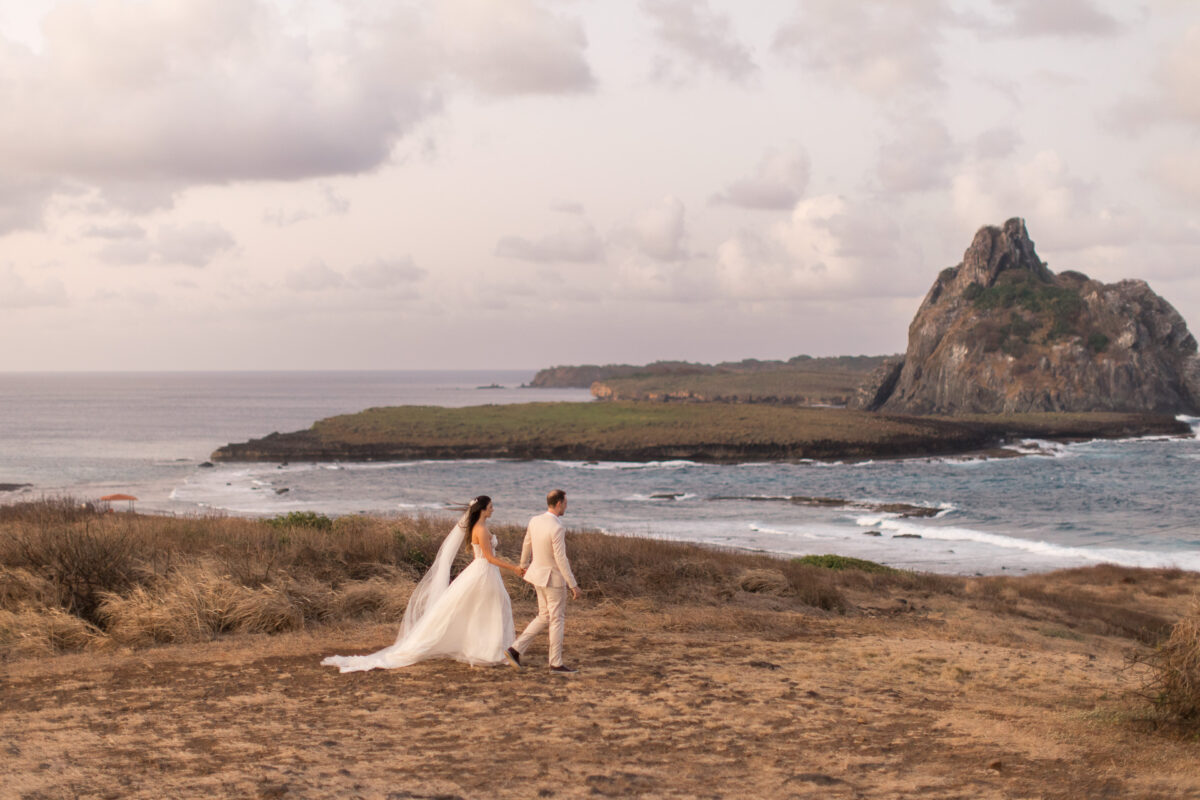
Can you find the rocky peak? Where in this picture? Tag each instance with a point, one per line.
(1001, 333)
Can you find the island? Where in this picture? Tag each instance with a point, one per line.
(1001, 349)
(703, 432)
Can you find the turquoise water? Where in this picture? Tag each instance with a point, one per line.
(1130, 502)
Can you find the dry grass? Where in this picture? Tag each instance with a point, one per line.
(1172, 681)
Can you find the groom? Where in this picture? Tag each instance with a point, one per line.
(544, 559)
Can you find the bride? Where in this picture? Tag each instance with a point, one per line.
(469, 619)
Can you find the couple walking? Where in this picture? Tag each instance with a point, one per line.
(470, 618)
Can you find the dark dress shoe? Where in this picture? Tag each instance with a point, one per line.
(513, 657)
(563, 669)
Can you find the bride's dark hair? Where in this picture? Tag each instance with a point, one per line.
(475, 510)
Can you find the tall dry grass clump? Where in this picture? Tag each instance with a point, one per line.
(72, 578)
(1172, 682)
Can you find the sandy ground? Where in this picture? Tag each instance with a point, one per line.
(928, 698)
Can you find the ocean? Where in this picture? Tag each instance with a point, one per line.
(85, 435)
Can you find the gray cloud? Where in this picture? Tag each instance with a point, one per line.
(387, 273)
(879, 47)
(918, 157)
(1063, 18)
(658, 231)
(331, 203)
(578, 242)
(515, 47)
(313, 277)
(375, 276)
(693, 31)
(1178, 174)
(192, 245)
(17, 292)
(998, 142)
(122, 230)
(142, 100)
(778, 181)
(23, 200)
(567, 207)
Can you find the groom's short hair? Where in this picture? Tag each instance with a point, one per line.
(555, 497)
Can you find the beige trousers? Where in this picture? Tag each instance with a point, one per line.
(552, 611)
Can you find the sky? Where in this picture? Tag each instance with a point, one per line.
(475, 184)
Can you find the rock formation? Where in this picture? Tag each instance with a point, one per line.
(1001, 333)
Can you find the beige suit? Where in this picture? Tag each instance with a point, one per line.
(544, 557)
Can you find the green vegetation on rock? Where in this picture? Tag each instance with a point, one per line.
(626, 431)
(830, 561)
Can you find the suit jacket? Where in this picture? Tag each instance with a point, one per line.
(544, 553)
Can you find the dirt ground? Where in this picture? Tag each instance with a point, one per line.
(921, 698)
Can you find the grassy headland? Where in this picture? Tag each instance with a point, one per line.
(146, 657)
(625, 431)
(791, 386)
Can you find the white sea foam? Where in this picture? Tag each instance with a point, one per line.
(1134, 558)
(757, 528)
(676, 497)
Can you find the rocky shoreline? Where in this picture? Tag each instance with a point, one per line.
(906, 437)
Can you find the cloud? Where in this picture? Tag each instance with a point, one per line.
(514, 47)
(917, 158)
(1062, 18)
(879, 47)
(16, 292)
(658, 231)
(827, 247)
(999, 142)
(386, 273)
(701, 37)
(374, 277)
(192, 245)
(1178, 174)
(577, 242)
(778, 181)
(23, 199)
(313, 277)
(331, 203)
(1063, 211)
(1171, 97)
(123, 230)
(142, 100)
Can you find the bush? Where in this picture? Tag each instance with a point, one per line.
(1173, 682)
(302, 519)
(845, 562)
(83, 562)
(1097, 342)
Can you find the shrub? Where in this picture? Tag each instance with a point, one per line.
(83, 562)
(1172, 683)
(845, 562)
(1097, 342)
(302, 519)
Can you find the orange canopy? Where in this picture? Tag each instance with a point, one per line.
(108, 497)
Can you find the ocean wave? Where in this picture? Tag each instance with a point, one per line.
(757, 528)
(1193, 421)
(1112, 555)
(660, 497)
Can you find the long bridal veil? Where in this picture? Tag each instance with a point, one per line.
(435, 582)
(468, 620)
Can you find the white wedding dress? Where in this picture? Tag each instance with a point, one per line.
(469, 619)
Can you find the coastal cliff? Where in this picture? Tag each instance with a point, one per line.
(1000, 333)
